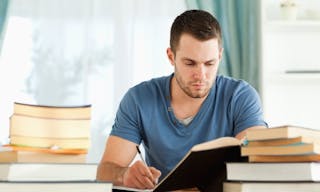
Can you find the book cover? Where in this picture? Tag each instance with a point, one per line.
(203, 166)
(55, 186)
(54, 112)
(303, 171)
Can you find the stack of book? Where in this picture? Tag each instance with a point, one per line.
(282, 158)
(282, 144)
(47, 151)
(48, 134)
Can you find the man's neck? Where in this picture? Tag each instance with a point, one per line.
(183, 105)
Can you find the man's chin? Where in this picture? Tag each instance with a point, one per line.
(198, 95)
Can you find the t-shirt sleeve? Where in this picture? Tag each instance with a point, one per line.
(247, 109)
(126, 123)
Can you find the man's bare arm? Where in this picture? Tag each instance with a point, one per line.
(114, 166)
(115, 161)
(108, 171)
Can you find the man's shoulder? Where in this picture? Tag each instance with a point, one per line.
(226, 80)
(231, 87)
(153, 88)
(159, 82)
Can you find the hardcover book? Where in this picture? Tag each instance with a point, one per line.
(285, 141)
(281, 132)
(271, 186)
(284, 158)
(47, 142)
(303, 171)
(56, 186)
(51, 128)
(47, 172)
(203, 167)
(53, 112)
(299, 149)
(11, 156)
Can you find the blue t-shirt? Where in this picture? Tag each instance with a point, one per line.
(145, 115)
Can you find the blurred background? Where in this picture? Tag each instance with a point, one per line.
(76, 52)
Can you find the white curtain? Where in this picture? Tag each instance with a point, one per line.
(83, 52)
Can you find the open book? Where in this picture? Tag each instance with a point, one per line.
(203, 166)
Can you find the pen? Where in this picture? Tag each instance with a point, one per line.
(141, 155)
(142, 159)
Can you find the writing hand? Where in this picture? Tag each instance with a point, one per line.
(140, 176)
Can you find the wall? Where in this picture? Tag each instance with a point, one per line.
(291, 67)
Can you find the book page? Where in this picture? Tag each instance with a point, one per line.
(217, 143)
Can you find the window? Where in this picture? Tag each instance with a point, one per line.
(82, 52)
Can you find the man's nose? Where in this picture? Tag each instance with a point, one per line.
(200, 72)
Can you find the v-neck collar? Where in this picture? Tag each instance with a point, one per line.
(203, 109)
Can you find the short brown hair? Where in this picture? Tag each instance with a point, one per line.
(198, 23)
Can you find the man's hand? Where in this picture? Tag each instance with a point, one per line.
(140, 176)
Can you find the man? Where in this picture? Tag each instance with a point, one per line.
(171, 114)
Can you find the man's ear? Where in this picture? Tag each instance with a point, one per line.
(220, 53)
(170, 55)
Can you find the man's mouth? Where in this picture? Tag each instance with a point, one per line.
(198, 85)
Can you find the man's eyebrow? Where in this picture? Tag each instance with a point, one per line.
(211, 60)
(189, 59)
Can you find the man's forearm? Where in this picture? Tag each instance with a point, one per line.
(111, 172)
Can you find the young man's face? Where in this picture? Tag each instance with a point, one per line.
(196, 64)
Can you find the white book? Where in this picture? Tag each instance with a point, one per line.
(47, 172)
(268, 187)
(304, 171)
(57, 186)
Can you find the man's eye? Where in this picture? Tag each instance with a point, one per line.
(211, 63)
(189, 63)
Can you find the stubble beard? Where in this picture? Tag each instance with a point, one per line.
(186, 89)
